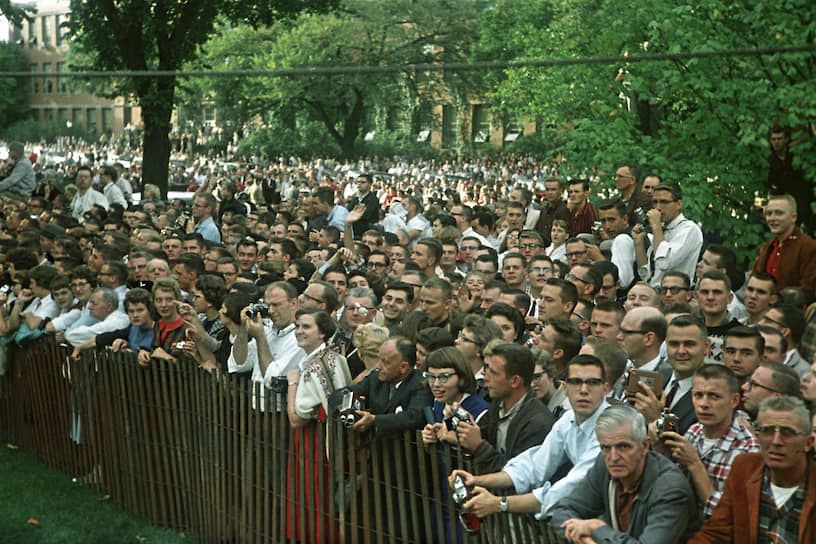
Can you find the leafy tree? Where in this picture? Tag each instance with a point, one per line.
(362, 33)
(702, 122)
(16, 13)
(13, 103)
(156, 35)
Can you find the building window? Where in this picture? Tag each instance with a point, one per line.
(76, 117)
(107, 120)
(63, 116)
(58, 30)
(48, 83)
(60, 81)
(424, 123)
(480, 124)
(49, 115)
(449, 139)
(512, 131)
(91, 121)
(35, 81)
(45, 30)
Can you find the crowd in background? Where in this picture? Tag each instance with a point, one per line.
(582, 349)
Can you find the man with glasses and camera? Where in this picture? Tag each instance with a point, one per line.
(770, 496)
(675, 241)
(572, 439)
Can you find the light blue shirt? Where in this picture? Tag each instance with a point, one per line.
(85, 320)
(337, 218)
(208, 230)
(531, 470)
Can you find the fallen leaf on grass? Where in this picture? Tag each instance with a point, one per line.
(33, 522)
(12, 447)
(103, 498)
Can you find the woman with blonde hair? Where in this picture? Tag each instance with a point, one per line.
(367, 339)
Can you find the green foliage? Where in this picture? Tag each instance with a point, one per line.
(13, 104)
(34, 130)
(306, 140)
(363, 33)
(701, 122)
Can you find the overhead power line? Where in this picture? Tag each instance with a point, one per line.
(426, 67)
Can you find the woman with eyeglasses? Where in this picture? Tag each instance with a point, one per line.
(452, 384)
(319, 373)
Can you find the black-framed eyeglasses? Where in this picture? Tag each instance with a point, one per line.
(769, 431)
(529, 246)
(751, 384)
(575, 253)
(375, 265)
(538, 375)
(464, 338)
(627, 332)
(673, 290)
(310, 297)
(589, 382)
(573, 277)
(441, 378)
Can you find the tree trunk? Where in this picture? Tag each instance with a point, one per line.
(157, 109)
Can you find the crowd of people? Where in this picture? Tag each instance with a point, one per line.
(627, 379)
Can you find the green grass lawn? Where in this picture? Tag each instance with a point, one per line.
(66, 511)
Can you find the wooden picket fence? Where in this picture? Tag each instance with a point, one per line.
(185, 449)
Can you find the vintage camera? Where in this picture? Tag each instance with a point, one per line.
(348, 408)
(258, 308)
(596, 227)
(180, 345)
(6, 289)
(642, 220)
(460, 492)
(458, 416)
(181, 222)
(667, 421)
(278, 384)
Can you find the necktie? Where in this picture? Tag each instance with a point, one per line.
(672, 392)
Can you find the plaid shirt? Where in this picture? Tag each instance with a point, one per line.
(779, 525)
(718, 460)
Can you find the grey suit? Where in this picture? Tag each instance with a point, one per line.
(797, 364)
(664, 512)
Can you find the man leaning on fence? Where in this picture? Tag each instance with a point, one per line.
(571, 440)
(395, 394)
(630, 494)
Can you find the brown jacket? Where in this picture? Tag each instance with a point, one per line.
(736, 516)
(797, 263)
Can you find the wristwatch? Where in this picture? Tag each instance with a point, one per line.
(503, 504)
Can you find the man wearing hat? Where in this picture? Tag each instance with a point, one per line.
(20, 183)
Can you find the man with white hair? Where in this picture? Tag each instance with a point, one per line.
(630, 493)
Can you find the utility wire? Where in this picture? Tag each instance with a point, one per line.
(425, 67)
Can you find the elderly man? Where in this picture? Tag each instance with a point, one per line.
(770, 496)
(21, 182)
(103, 305)
(630, 494)
(396, 395)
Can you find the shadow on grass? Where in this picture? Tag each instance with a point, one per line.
(67, 512)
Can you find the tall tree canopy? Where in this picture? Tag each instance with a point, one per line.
(702, 122)
(157, 35)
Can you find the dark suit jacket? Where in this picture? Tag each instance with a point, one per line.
(548, 214)
(684, 410)
(371, 216)
(405, 410)
(528, 428)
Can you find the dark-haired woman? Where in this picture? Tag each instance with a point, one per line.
(319, 374)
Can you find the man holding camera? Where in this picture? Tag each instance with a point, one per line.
(395, 393)
(269, 351)
(710, 445)
(572, 439)
(515, 421)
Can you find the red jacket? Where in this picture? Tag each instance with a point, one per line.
(735, 519)
(797, 263)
